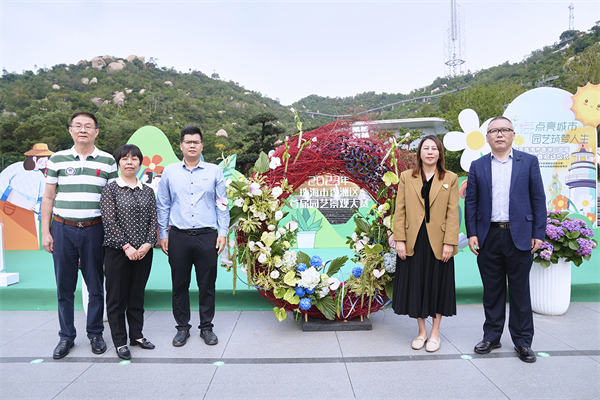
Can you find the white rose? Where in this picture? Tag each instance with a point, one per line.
(274, 274)
(277, 191)
(275, 162)
(278, 215)
(271, 227)
(262, 258)
(239, 203)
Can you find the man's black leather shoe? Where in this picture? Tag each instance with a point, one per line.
(181, 337)
(124, 353)
(98, 345)
(62, 349)
(525, 354)
(485, 347)
(209, 337)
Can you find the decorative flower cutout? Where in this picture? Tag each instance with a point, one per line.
(153, 164)
(472, 140)
(560, 203)
(585, 203)
(591, 217)
(519, 140)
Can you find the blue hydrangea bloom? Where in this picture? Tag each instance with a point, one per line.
(300, 292)
(357, 272)
(305, 303)
(301, 267)
(309, 291)
(316, 262)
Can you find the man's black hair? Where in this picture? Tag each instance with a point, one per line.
(87, 114)
(191, 130)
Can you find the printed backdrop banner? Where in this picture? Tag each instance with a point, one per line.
(557, 127)
(548, 124)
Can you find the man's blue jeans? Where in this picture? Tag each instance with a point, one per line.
(73, 246)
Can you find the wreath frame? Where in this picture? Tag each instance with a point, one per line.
(332, 149)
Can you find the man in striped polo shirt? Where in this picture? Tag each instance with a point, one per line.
(74, 182)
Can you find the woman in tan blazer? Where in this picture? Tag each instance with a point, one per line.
(426, 234)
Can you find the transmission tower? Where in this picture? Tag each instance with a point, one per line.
(454, 42)
(571, 18)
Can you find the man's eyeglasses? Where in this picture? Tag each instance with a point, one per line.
(86, 127)
(194, 142)
(496, 131)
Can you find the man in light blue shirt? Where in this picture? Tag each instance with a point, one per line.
(192, 201)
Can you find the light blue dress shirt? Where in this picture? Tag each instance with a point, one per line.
(187, 199)
(501, 174)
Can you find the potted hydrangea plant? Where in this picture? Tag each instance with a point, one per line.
(567, 240)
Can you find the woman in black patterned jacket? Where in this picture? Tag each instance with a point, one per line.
(130, 232)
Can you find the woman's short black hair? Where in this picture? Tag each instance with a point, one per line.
(126, 149)
(191, 130)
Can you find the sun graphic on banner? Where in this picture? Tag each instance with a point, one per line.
(586, 105)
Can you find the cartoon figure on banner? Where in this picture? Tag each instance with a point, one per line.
(586, 105)
(22, 186)
(23, 183)
(555, 186)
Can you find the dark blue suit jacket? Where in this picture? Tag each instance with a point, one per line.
(527, 200)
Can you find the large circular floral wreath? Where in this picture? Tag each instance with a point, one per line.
(292, 280)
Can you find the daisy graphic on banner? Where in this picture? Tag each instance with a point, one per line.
(471, 140)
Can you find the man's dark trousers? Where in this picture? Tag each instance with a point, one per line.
(499, 258)
(83, 246)
(200, 250)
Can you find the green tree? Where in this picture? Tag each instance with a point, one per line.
(488, 101)
(568, 34)
(265, 139)
(583, 69)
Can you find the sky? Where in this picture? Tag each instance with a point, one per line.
(286, 50)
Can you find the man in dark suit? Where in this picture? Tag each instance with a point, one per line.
(505, 216)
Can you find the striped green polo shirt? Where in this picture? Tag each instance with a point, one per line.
(79, 182)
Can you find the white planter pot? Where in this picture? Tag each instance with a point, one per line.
(306, 239)
(550, 288)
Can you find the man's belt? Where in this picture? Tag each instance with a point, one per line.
(501, 225)
(194, 232)
(79, 224)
